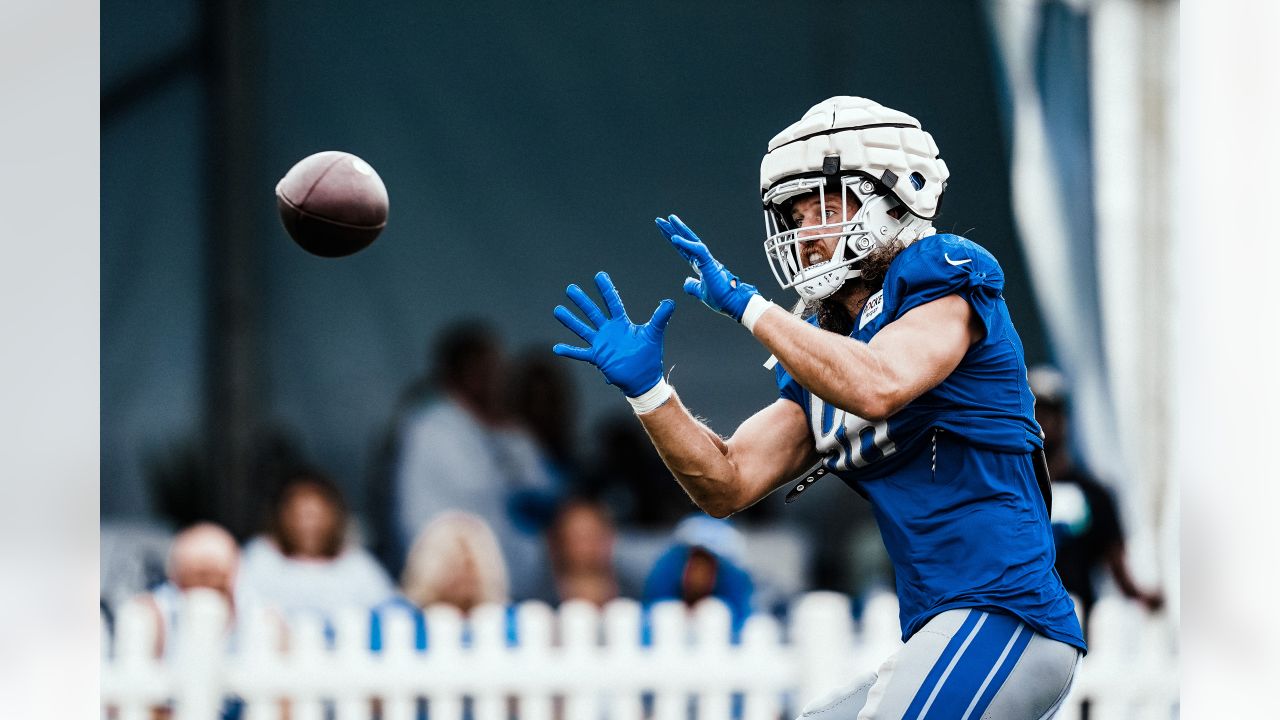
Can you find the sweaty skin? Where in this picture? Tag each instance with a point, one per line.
(871, 380)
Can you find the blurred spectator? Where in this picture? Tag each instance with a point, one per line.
(581, 543)
(455, 560)
(460, 452)
(629, 476)
(705, 561)
(542, 402)
(1086, 525)
(305, 563)
(132, 557)
(204, 556)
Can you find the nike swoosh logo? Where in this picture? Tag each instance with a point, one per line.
(956, 262)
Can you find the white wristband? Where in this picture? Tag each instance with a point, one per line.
(650, 399)
(755, 308)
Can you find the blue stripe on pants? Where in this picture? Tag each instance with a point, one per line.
(1019, 644)
(940, 665)
(975, 667)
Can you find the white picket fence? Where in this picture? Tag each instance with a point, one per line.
(574, 663)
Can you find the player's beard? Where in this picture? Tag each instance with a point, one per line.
(832, 311)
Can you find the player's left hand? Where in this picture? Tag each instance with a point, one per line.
(628, 355)
(715, 286)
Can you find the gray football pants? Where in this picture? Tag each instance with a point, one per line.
(964, 665)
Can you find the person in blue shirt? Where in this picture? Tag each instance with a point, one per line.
(900, 372)
(705, 560)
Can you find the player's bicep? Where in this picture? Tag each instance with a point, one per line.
(770, 449)
(921, 348)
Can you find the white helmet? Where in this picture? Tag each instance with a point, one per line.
(857, 147)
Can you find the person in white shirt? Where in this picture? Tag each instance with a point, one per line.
(305, 562)
(460, 451)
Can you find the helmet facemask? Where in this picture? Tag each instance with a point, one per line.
(872, 226)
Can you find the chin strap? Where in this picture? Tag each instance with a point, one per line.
(917, 229)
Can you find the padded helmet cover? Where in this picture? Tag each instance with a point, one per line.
(868, 138)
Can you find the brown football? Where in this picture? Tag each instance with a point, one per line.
(332, 203)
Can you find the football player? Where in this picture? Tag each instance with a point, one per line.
(901, 373)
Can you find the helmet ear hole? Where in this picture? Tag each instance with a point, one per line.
(917, 180)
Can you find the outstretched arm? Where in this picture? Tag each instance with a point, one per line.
(1118, 564)
(871, 380)
(720, 476)
(724, 476)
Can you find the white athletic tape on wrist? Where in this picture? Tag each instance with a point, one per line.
(650, 399)
(755, 308)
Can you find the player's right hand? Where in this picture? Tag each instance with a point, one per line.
(628, 355)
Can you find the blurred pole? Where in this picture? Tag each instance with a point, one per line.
(232, 414)
(1043, 50)
(1133, 118)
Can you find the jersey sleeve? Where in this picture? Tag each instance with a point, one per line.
(942, 265)
(787, 386)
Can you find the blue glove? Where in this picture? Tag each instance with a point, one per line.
(628, 355)
(715, 286)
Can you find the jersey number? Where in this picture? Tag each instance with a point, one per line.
(839, 436)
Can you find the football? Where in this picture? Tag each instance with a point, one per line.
(332, 203)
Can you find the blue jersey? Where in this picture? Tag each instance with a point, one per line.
(950, 476)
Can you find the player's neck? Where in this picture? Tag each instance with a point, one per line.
(854, 295)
